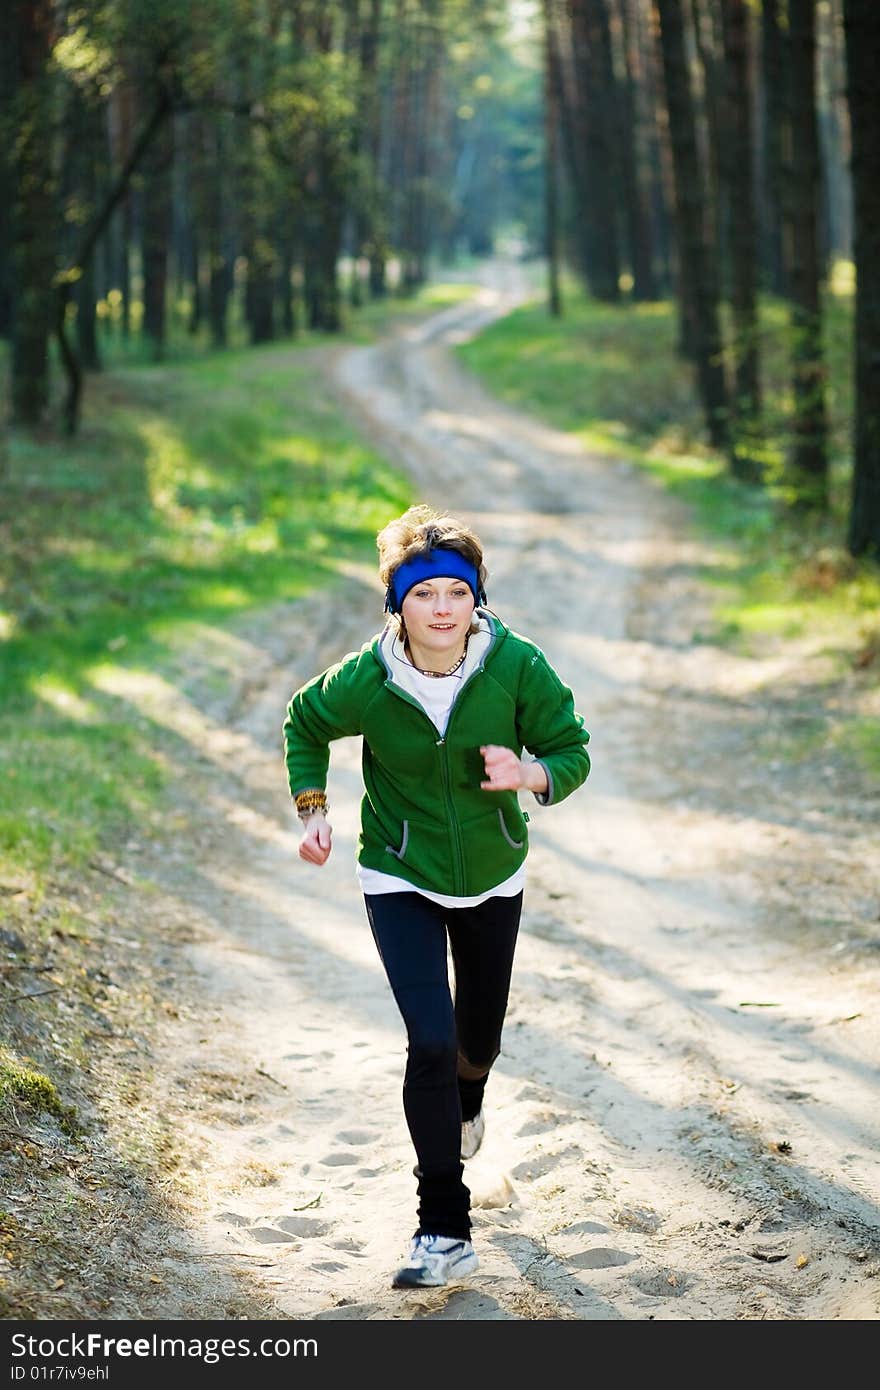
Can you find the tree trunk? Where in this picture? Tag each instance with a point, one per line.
(774, 70)
(34, 211)
(862, 21)
(641, 239)
(8, 86)
(698, 274)
(85, 161)
(597, 166)
(659, 148)
(551, 163)
(739, 178)
(711, 139)
(809, 452)
(375, 216)
(216, 232)
(156, 235)
(834, 135)
(120, 121)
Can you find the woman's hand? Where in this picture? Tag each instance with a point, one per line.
(315, 844)
(505, 772)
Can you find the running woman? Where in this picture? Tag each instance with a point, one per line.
(458, 714)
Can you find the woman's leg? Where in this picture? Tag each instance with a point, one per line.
(483, 941)
(410, 933)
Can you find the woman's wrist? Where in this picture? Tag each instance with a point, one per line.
(311, 801)
(535, 777)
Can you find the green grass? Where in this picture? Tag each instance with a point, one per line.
(194, 493)
(360, 325)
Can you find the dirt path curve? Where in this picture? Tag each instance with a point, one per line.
(683, 1121)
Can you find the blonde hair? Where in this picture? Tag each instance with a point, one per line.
(420, 530)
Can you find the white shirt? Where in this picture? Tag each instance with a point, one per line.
(436, 695)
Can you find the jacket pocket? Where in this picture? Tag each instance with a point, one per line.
(514, 844)
(401, 852)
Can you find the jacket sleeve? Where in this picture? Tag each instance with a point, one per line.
(325, 708)
(549, 728)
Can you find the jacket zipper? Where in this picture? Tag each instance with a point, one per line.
(458, 865)
(440, 744)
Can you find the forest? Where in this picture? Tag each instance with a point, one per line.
(601, 278)
(267, 165)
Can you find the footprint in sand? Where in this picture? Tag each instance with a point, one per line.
(337, 1160)
(350, 1246)
(356, 1136)
(542, 1164)
(232, 1218)
(270, 1235)
(303, 1226)
(593, 1228)
(602, 1257)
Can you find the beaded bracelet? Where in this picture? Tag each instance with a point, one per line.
(308, 802)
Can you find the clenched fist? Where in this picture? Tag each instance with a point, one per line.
(505, 772)
(315, 845)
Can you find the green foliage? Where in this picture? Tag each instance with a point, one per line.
(191, 496)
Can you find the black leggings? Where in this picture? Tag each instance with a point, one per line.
(450, 1047)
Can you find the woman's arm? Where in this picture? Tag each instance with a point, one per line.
(552, 730)
(326, 708)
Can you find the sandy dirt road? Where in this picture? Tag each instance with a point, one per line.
(683, 1122)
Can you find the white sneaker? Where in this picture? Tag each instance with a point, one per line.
(472, 1132)
(435, 1260)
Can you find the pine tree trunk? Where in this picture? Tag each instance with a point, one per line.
(595, 97)
(640, 231)
(7, 186)
(698, 274)
(285, 295)
(214, 153)
(85, 158)
(773, 124)
(376, 214)
(862, 21)
(551, 162)
(34, 211)
(659, 148)
(121, 232)
(840, 174)
(810, 429)
(156, 235)
(739, 178)
(711, 135)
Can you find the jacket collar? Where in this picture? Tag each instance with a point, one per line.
(388, 651)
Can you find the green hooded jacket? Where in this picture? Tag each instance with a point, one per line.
(424, 816)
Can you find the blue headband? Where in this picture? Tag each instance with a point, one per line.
(447, 564)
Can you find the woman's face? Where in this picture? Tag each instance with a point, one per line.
(437, 614)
